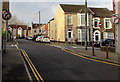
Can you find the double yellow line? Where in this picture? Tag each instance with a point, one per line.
(91, 58)
(34, 70)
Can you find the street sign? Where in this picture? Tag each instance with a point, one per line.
(115, 19)
(100, 24)
(6, 15)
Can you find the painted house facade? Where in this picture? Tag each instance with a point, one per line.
(102, 26)
(35, 30)
(18, 31)
(52, 31)
(70, 24)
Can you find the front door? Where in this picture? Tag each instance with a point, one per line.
(69, 36)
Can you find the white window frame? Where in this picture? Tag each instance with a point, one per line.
(105, 23)
(106, 34)
(71, 20)
(99, 34)
(94, 22)
(79, 15)
(81, 36)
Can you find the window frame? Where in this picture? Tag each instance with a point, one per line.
(79, 19)
(69, 19)
(110, 26)
(97, 23)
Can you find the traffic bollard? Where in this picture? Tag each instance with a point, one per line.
(93, 53)
(107, 51)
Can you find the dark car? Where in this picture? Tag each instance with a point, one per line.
(97, 44)
(110, 42)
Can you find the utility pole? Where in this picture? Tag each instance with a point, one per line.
(1, 26)
(86, 24)
(39, 23)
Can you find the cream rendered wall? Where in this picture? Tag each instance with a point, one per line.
(60, 24)
(49, 29)
(53, 30)
(75, 33)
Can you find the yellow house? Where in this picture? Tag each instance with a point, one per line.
(52, 30)
(69, 21)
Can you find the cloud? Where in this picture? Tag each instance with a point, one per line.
(28, 11)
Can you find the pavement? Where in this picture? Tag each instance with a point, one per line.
(13, 68)
(99, 55)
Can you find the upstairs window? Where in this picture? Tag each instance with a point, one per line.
(83, 19)
(69, 19)
(96, 22)
(107, 23)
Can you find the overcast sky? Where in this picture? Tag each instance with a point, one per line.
(27, 10)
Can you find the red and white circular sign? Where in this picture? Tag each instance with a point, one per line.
(6, 15)
(100, 24)
(115, 19)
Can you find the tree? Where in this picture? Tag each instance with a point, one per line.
(15, 20)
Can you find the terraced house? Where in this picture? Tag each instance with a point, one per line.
(102, 26)
(70, 24)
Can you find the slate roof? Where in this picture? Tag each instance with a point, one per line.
(101, 12)
(73, 8)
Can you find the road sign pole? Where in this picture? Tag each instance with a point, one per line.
(6, 35)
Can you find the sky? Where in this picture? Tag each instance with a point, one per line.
(28, 10)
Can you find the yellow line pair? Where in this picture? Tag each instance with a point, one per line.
(34, 70)
(91, 58)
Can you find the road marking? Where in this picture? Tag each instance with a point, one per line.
(30, 65)
(34, 70)
(91, 58)
(29, 76)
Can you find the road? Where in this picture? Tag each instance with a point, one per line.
(55, 64)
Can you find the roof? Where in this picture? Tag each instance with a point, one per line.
(101, 12)
(73, 8)
(36, 25)
(17, 26)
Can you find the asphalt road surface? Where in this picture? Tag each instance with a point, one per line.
(55, 64)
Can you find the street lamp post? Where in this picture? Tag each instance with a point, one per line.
(86, 24)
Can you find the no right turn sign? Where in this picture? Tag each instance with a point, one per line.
(115, 19)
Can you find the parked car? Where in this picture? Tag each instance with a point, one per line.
(35, 36)
(38, 38)
(110, 42)
(45, 39)
(29, 38)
